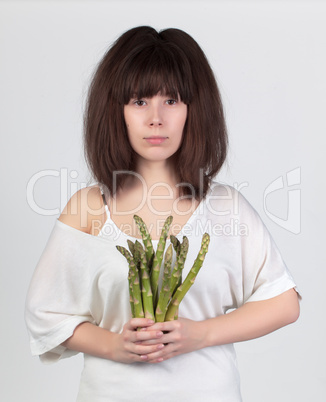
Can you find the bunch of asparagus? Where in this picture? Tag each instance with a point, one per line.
(144, 272)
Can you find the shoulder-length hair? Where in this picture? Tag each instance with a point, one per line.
(142, 63)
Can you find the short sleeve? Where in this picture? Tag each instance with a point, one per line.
(58, 298)
(265, 274)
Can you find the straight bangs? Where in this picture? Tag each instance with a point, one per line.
(156, 70)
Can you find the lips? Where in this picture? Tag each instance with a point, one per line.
(155, 140)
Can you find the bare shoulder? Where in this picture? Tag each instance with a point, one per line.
(85, 211)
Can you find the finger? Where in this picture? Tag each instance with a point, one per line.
(155, 357)
(164, 326)
(163, 358)
(164, 354)
(166, 337)
(142, 350)
(151, 341)
(141, 336)
(158, 356)
(135, 323)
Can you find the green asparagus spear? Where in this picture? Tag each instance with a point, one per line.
(178, 266)
(134, 284)
(137, 253)
(125, 253)
(131, 247)
(165, 292)
(138, 304)
(147, 296)
(174, 278)
(188, 282)
(158, 257)
(176, 244)
(131, 276)
(149, 251)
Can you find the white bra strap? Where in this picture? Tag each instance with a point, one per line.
(105, 203)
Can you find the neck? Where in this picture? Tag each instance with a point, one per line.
(157, 174)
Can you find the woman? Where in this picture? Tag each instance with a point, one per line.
(155, 138)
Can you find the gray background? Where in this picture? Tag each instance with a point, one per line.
(269, 59)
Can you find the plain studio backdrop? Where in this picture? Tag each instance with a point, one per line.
(269, 60)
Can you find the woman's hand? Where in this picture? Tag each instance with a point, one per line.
(163, 340)
(133, 345)
(180, 336)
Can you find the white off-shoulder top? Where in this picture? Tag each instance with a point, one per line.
(81, 277)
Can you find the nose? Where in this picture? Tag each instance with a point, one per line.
(155, 115)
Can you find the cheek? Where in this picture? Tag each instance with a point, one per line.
(129, 125)
(183, 117)
(182, 122)
(132, 122)
(127, 117)
(127, 121)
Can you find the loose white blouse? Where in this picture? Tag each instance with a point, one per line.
(81, 277)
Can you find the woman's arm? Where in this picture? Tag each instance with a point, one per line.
(85, 212)
(252, 320)
(124, 348)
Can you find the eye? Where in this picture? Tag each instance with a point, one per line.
(139, 102)
(171, 102)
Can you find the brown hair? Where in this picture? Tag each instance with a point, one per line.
(144, 62)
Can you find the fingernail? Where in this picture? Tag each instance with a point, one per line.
(159, 333)
(150, 321)
(160, 346)
(144, 357)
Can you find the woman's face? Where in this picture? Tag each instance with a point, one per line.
(155, 126)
